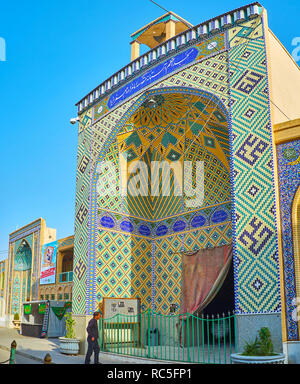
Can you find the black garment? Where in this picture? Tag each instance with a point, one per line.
(92, 329)
(93, 346)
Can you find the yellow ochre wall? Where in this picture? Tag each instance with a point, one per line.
(284, 86)
(285, 82)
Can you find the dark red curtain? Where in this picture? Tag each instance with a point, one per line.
(203, 274)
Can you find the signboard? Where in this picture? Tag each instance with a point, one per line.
(48, 263)
(128, 309)
(152, 75)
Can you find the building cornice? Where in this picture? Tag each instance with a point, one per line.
(168, 49)
(287, 131)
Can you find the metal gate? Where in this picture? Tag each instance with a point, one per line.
(182, 338)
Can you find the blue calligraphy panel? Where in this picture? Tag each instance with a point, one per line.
(198, 221)
(144, 230)
(126, 226)
(219, 216)
(152, 75)
(107, 222)
(161, 230)
(179, 226)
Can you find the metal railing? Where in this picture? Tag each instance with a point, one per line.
(200, 31)
(12, 356)
(182, 338)
(66, 277)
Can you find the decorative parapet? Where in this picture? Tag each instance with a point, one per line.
(168, 48)
(25, 231)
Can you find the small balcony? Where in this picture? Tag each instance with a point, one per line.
(66, 277)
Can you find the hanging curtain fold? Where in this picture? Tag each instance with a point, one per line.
(203, 274)
(60, 311)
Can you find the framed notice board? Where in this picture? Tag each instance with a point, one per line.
(121, 321)
(126, 308)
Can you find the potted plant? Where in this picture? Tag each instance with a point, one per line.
(16, 321)
(69, 344)
(260, 351)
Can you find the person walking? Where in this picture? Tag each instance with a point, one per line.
(92, 339)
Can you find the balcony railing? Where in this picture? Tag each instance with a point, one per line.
(66, 277)
(200, 31)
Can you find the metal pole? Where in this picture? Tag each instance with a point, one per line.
(219, 339)
(207, 330)
(13, 347)
(148, 331)
(193, 341)
(203, 338)
(188, 336)
(48, 359)
(118, 328)
(229, 325)
(213, 337)
(235, 332)
(224, 335)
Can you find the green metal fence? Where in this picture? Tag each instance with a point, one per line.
(182, 338)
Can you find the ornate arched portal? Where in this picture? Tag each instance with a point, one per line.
(230, 63)
(163, 190)
(296, 244)
(22, 276)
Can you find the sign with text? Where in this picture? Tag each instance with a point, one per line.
(122, 310)
(48, 263)
(153, 75)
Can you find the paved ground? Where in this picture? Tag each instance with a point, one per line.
(31, 350)
(4, 356)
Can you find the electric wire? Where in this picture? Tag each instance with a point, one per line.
(159, 6)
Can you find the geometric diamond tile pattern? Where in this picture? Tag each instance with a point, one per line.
(167, 273)
(124, 267)
(81, 222)
(168, 256)
(289, 183)
(256, 266)
(111, 263)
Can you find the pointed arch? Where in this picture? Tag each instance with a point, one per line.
(296, 243)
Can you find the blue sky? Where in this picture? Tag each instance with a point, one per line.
(56, 52)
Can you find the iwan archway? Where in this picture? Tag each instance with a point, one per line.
(21, 288)
(162, 193)
(229, 66)
(137, 241)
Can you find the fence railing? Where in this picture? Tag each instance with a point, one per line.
(200, 31)
(182, 338)
(12, 356)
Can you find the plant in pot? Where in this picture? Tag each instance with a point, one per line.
(69, 344)
(260, 351)
(16, 321)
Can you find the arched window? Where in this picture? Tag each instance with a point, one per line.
(22, 276)
(67, 263)
(23, 257)
(66, 274)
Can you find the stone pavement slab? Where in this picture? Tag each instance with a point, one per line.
(36, 349)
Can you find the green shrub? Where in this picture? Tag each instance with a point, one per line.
(261, 346)
(252, 349)
(266, 345)
(70, 333)
(16, 316)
